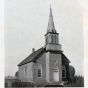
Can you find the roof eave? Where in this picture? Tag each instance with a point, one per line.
(24, 63)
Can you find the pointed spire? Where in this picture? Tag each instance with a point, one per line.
(51, 27)
(51, 12)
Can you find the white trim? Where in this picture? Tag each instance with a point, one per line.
(47, 68)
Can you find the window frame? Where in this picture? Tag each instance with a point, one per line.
(39, 68)
(64, 69)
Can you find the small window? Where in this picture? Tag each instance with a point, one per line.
(40, 71)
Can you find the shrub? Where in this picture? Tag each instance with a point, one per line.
(6, 84)
(42, 84)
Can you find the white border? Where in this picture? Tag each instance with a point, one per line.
(2, 43)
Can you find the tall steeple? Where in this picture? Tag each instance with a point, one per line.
(51, 37)
(53, 51)
(51, 27)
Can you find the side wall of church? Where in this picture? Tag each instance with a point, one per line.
(41, 61)
(25, 73)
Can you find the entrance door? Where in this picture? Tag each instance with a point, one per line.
(56, 75)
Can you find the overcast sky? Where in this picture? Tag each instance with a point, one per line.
(26, 24)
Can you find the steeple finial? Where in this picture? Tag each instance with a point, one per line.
(51, 27)
(50, 6)
(50, 11)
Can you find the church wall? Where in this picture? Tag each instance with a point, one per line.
(41, 61)
(53, 47)
(25, 73)
(55, 56)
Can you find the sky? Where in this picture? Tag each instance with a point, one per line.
(26, 24)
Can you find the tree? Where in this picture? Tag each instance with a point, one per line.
(16, 74)
(71, 71)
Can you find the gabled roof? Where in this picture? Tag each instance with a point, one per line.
(32, 56)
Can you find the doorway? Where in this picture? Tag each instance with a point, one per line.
(56, 75)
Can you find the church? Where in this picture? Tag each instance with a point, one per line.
(47, 64)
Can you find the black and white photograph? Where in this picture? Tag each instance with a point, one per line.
(44, 43)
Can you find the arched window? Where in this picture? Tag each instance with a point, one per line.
(63, 71)
(40, 71)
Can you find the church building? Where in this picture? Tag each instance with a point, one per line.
(47, 64)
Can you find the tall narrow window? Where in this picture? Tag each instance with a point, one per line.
(55, 39)
(40, 71)
(52, 39)
(63, 72)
